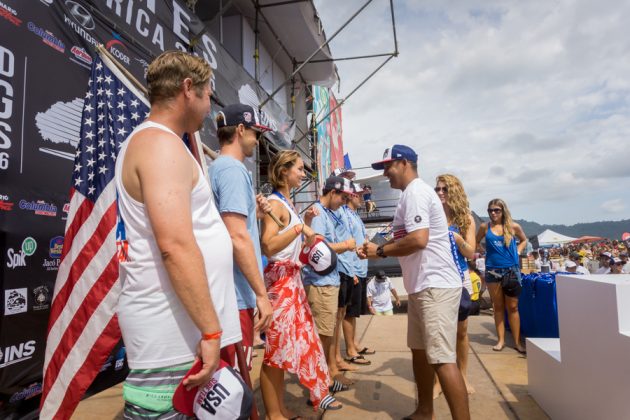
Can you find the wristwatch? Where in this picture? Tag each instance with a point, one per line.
(380, 252)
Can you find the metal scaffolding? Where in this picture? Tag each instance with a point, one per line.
(310, 134)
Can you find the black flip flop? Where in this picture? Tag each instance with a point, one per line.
(354, 359)
(366, 350)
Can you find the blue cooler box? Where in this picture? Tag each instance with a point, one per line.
(538, 306)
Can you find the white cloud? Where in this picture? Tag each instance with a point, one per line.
(613, 206)
(528, 101)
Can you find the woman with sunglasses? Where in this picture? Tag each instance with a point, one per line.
(292, 342)
(503, 273)
(462, 225)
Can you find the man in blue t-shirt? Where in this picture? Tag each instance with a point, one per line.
(358, 301)
(238, 130)
(323, 290)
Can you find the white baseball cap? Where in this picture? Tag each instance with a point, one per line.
(319, 256)
(225, 397)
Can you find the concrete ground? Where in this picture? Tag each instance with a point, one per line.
(385, 389)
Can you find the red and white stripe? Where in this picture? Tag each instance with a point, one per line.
(399, 233)
(83, 327)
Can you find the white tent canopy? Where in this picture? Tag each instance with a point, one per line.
(551, 238)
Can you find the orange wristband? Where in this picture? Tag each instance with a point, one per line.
(213, 336)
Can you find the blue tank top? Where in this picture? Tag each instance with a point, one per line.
(461, 260)
(497, 254)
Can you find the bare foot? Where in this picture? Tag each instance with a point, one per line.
(344, 380)
(289, 414)
(498, 347)
(416, 416)
(437, 390)
(469, 388)
(345, 367)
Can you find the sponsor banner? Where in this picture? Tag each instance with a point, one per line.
(46, 50)
(329, 133)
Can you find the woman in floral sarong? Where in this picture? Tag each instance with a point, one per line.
(292, 342)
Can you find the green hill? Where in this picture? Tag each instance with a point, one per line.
(606, 229)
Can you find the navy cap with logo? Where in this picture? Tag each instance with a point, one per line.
(396, 152)
(233, 115)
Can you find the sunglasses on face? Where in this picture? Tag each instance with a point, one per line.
(490, 211)
(443, 189)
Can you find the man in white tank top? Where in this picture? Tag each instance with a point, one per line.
(178, 300)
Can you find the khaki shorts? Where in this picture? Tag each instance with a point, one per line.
(432, 326)
(323, 301)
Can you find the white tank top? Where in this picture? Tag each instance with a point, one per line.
(292, 251)
(156, 328)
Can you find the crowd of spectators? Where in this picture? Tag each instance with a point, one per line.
(602, 257)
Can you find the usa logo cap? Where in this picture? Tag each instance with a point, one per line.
(396, 152)
(319, 256)
(225, 397)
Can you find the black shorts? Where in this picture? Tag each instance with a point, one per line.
(509, 278)
(354, 309)
(464, 306)
(345, 289)
(364, 301)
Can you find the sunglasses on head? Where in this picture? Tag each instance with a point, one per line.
(443, 189)
(494, 211)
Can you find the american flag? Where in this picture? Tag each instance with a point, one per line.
(83, 327)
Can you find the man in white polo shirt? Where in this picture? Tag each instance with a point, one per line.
(431, 279)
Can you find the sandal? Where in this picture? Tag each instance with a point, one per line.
(338, 387)
(359, 360)
(366, 350)
(327, 403)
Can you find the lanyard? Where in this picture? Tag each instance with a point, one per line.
(283, 198)
(454, 254)
(334, 216)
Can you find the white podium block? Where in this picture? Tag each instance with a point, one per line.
(585, 374)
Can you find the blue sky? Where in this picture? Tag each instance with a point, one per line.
(526, 101)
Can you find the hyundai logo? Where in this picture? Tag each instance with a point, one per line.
(81, 15)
